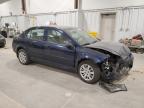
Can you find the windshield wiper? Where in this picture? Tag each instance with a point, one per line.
(89, 43)
(86, 44)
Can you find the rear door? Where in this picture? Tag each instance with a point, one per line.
(35, 42)
(56, 50)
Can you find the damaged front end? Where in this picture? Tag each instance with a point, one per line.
(115, 68)
(119, 63)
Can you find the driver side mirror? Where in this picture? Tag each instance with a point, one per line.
(69, 46)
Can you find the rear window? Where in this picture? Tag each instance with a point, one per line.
(36, 34)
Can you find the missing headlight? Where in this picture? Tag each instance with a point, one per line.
(107, 69)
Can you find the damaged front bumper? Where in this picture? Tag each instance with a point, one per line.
(112, 88)
(116, 71)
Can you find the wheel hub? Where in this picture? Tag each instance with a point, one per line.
(86, 72)
(22, 57)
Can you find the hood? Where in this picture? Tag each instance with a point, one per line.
(114, 48)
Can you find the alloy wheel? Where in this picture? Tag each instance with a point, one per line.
(22, 57)
(87, 72)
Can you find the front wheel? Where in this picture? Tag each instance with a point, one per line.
(89, 72)
(23, 57)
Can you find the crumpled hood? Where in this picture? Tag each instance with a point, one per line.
(115, 48)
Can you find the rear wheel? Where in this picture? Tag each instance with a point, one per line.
(23, 57)
(4, 43)
(89, 72)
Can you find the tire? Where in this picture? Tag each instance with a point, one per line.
(89, 72)
(23, 57)
(2, 46)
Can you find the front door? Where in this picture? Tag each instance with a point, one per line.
(56, 49)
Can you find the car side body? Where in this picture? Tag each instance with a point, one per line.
(68, 55)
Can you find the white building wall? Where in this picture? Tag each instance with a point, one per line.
(4, 9)
(13, 6)
(100, 4)
(35, 6)
(45, 6)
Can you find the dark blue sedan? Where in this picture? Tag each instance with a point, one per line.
(72, 48)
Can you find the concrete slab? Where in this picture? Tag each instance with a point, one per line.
(6, 102)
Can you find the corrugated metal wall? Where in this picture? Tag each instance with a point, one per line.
(91, 20)
(129, 22)
(67, 19)
(60, 18)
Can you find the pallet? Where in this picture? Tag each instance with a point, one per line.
(137, 49)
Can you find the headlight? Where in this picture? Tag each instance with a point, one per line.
(107, 70)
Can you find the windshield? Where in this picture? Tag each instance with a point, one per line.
(81, 36)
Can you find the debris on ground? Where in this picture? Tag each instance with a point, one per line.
(112, 88)
(137, 71)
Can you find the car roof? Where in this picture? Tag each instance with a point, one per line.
(58, 27)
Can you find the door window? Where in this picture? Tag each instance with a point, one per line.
(56, 37)
(36, 34)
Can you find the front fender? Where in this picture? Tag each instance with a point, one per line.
(94, 56)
